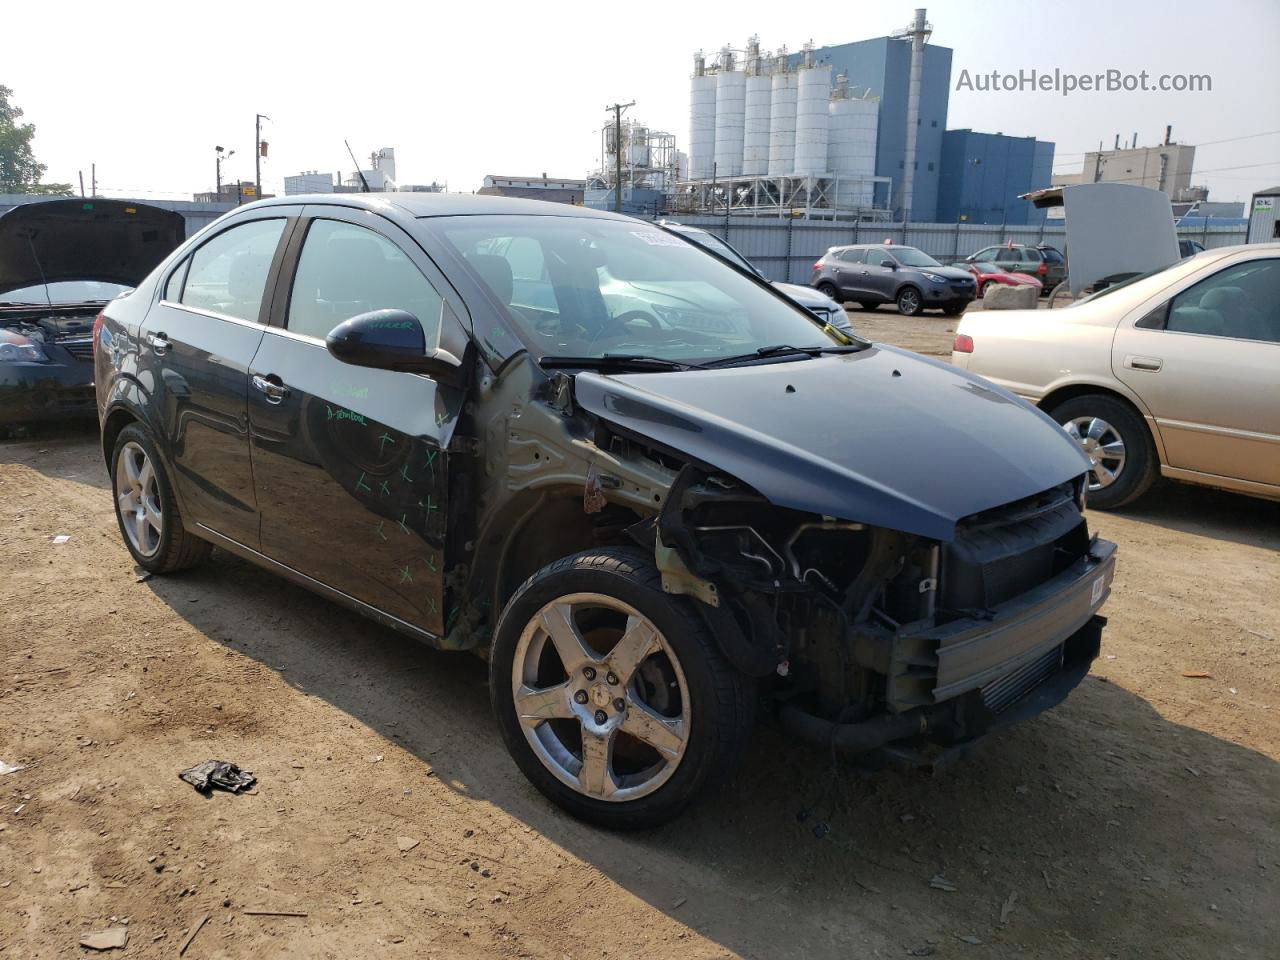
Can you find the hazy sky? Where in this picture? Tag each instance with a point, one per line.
(146, 90)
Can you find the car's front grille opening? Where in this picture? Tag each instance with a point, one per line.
(81, 348)
(1000, 694)
(1000, 554)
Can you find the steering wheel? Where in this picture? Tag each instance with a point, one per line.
(620, 322)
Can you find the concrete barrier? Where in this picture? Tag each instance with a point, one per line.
(1002, 297)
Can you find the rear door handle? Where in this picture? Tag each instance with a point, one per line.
(1152, 364)
(159, 345)
(270, 387)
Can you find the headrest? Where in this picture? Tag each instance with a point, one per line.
(1196, 320)
(1231, 298)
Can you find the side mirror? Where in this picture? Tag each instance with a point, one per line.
(392, 340)
(886, 262)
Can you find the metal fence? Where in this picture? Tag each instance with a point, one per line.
(786, 249)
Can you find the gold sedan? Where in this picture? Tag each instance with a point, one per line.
(1175, 373)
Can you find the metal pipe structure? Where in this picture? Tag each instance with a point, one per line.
(918, 33)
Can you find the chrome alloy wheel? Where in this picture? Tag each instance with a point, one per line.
(601, 697)
(909, 301)
(138, 499)
(1104, 447)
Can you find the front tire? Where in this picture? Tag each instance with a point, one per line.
(1121, 453)
(146, 509)
(612, 696)
(868, 306)
(954, 309)
(910, 303)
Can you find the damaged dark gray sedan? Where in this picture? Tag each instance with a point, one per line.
(650, 489)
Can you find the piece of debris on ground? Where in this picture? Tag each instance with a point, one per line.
(220, 774)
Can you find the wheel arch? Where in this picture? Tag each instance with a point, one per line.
(1071, 391)
(115, 421)
(535, 529)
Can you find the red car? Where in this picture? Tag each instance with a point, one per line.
(987, 273)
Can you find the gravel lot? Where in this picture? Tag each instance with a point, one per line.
(1139, 819)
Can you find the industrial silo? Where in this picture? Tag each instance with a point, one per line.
(851, 146)
(702, 120)
(782, 118)
(812, 93)
(637, 143)
(755, 137)
(731, 94)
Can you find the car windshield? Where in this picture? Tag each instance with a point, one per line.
(718, 246)
(587, 287)
(64, 291)
(911, 257)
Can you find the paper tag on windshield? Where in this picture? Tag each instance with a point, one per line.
(656, 238)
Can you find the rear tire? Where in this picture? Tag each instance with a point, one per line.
(146, 509)
(829, 290)
(954, 309)
(985, 287)
(558, 691)
(1118, 443)
(910, 303)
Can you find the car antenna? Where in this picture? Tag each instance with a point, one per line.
(359, 173)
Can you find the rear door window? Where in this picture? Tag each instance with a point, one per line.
(1242, 302)
(228, 275)
(854, 255)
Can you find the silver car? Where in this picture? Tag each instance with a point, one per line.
(1174, 373)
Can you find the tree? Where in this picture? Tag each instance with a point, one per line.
(20, 172)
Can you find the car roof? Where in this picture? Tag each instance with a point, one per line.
(446, 205)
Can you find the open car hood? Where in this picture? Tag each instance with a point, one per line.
(882, 436)
(114, 241)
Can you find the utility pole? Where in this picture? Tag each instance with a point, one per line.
(617, 109)
(93, 179)
(257, 153)
(81, 184)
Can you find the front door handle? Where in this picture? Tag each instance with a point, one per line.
(1153, 364)
(270, 387)
(159, 345)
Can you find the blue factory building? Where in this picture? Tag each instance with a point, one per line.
(883, 66)
(982, 175)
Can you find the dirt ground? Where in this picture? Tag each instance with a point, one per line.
(1139, 819)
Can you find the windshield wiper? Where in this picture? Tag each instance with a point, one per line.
(783, 350)
(632, 361)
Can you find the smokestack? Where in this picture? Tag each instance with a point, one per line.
(918, 32)
(1168, 135)
(1135, 139)
(1117, 141)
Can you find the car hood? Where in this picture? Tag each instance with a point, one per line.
(115, 241)
(882, 436)
(949, 273)
(805, 296)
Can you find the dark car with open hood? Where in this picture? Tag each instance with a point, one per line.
(651, 490)
(61, 261)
